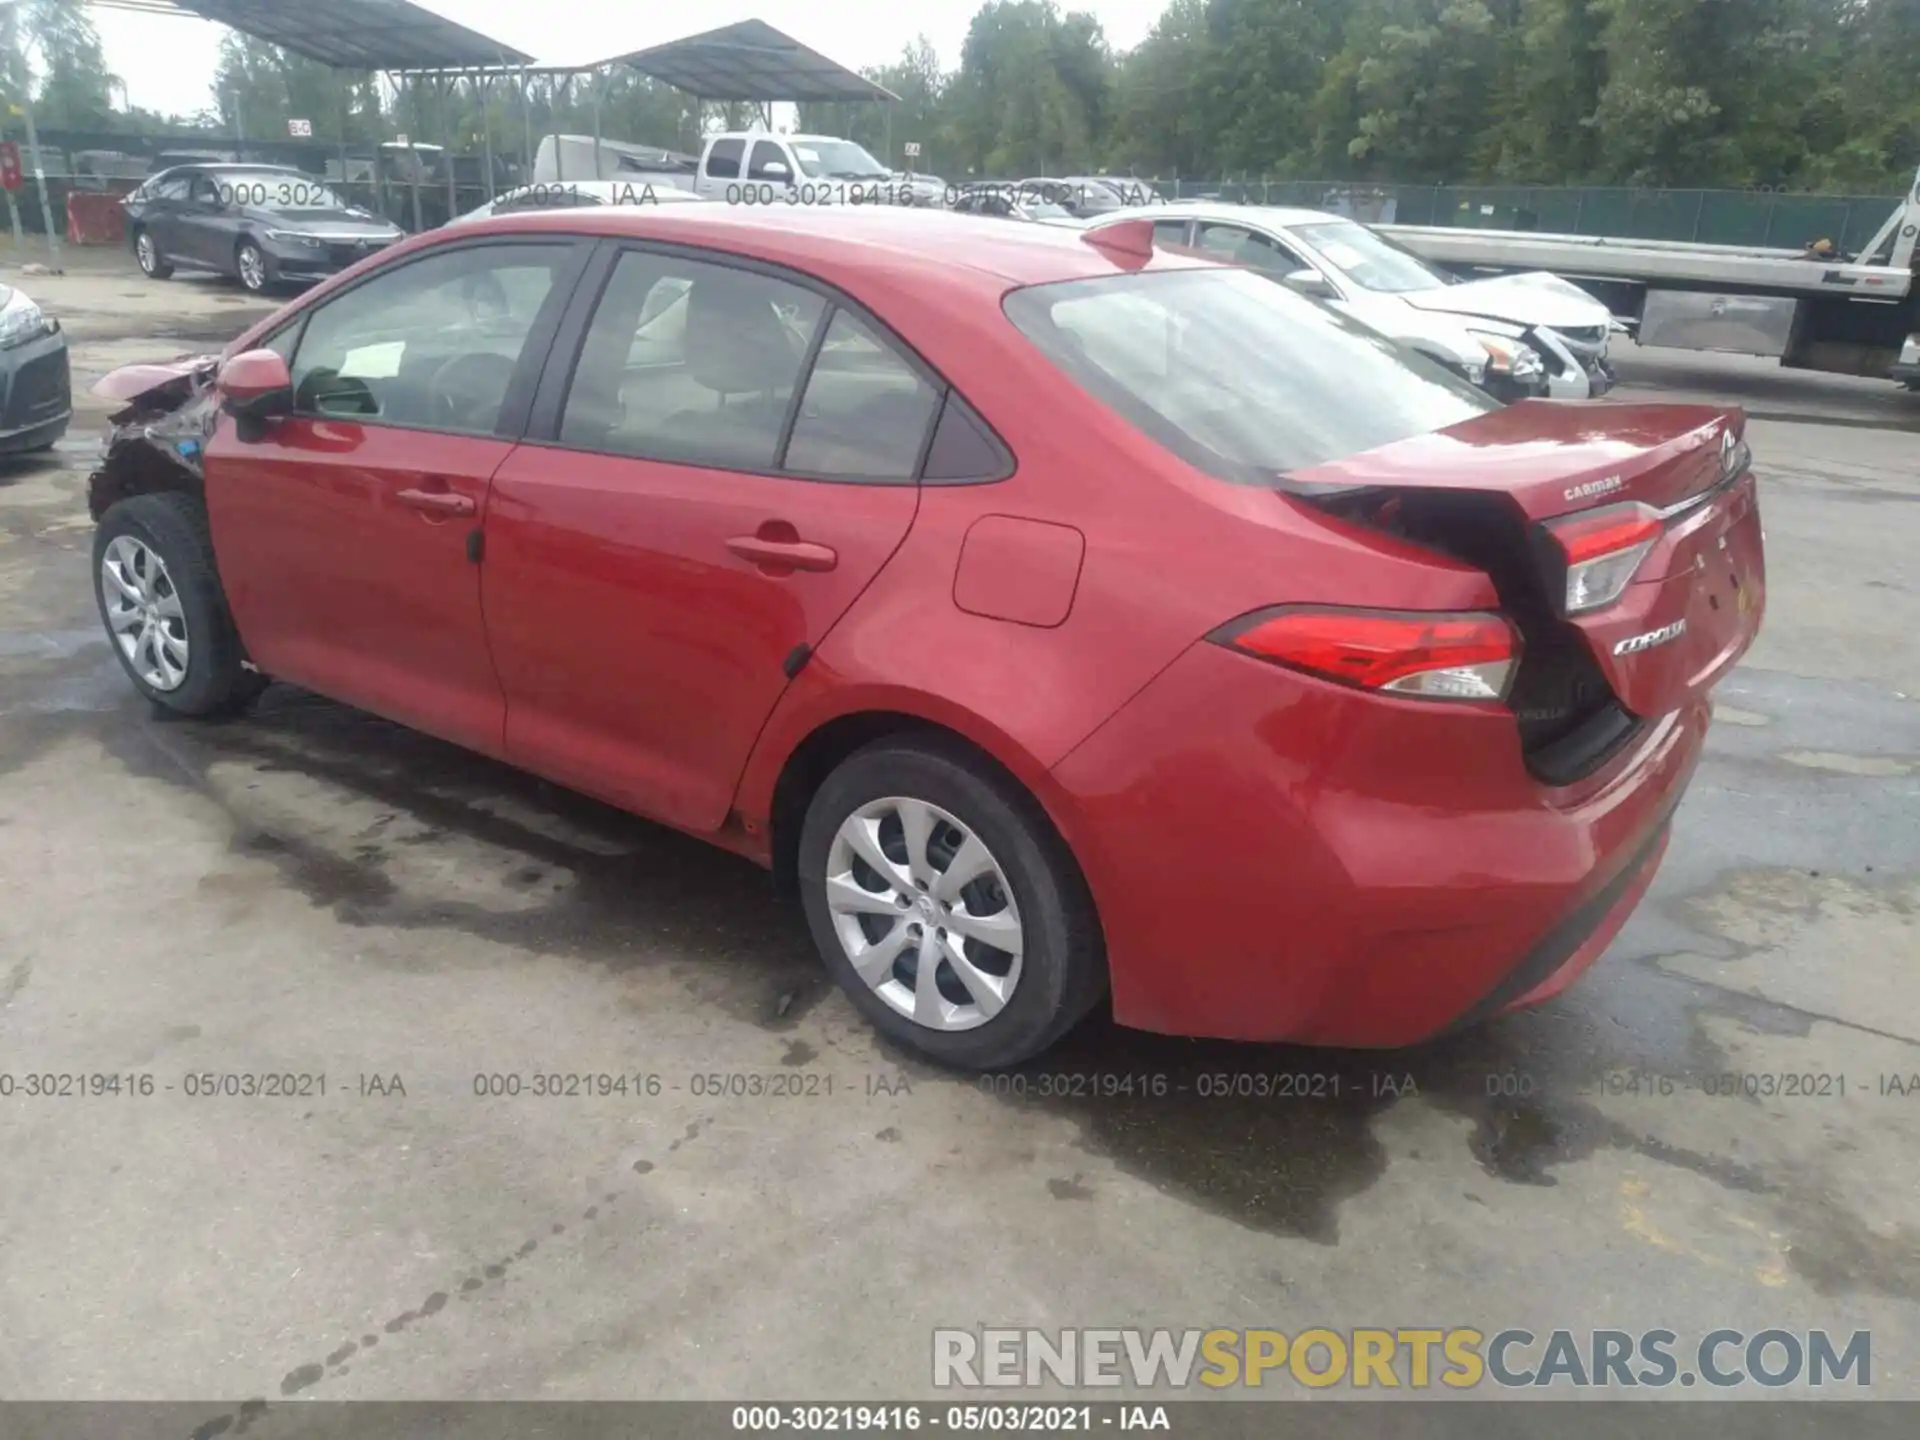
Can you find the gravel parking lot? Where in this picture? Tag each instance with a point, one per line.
(312, 892)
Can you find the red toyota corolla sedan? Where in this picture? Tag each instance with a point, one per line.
(1059, 619)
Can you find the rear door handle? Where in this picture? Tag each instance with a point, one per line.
(442, 504)
(780, 556)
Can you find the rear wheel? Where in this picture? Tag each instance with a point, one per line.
(165, 613)
(251, 265)
(947, 907)
(146, 251)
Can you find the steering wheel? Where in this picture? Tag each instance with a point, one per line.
(466, 391)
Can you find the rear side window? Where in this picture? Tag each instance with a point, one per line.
(723, 160)
(865, 412)
(693, 363)
(690, 363)
(1238, 376)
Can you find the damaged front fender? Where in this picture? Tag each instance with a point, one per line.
(156, 440)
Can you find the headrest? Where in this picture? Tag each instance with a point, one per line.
(735, 343)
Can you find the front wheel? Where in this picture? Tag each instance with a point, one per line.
(947, 907)
(163, 607)
(252, 267)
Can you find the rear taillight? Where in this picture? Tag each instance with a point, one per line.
(1603, 549)
(1394, 652)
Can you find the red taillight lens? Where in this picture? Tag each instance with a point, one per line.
(1604, 548)
(1437, 656)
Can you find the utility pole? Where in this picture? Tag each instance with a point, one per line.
(40, 181)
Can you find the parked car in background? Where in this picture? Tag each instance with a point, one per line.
(36, 390)
(261, 224)
(1054, 618)
(1012, 202)
(576, 195)
(1090, 196)
(749, 167)
(1535, 334)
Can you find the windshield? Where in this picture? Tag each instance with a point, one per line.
(1238, 376)
(275, 190)
(1370, 260)
(837, 160)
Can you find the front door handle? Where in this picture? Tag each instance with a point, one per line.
(780, 556)
(441, 504)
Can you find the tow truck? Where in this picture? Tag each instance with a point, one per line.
(1812, 309)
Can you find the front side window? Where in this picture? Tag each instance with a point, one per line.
(691, 363)
(765, 154)
(1238, 376)
(432, 344)
(1370, 260)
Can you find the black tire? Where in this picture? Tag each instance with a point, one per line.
(173, 525)
(1063, 967)
(153, 264)
(241, 268)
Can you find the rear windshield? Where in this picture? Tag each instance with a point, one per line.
(1236, 374)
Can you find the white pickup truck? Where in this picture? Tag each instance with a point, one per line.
(744, 167)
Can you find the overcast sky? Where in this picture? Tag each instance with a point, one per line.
(167, 62)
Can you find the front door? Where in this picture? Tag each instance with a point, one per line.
(348, 533)
(656, 566)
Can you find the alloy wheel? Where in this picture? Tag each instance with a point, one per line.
(147, 254)
(924, 913)
(253, 268)
(144, 613)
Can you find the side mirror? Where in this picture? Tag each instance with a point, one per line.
(776, 170)
(254, 387)
(1312, 284)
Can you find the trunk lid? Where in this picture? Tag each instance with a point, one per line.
(1507, 490)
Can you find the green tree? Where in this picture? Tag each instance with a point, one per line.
(75, 89)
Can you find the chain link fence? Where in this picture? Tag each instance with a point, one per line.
(1771, 218)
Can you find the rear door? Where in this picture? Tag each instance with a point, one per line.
(204, 229)
(721, 459)
(720, 167)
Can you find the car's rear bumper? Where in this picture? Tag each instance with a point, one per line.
(36, 393)
(1279, 858)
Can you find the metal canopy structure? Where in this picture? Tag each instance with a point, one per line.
(360, 34)
(750, 61)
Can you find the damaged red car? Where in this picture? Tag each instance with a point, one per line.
(1063, 623)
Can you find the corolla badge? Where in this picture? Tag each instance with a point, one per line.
(1595, 487)
(1634, 644)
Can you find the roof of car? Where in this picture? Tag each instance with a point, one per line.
(827, 238)
(230, 165)
(1241, 214)
(631, 190)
